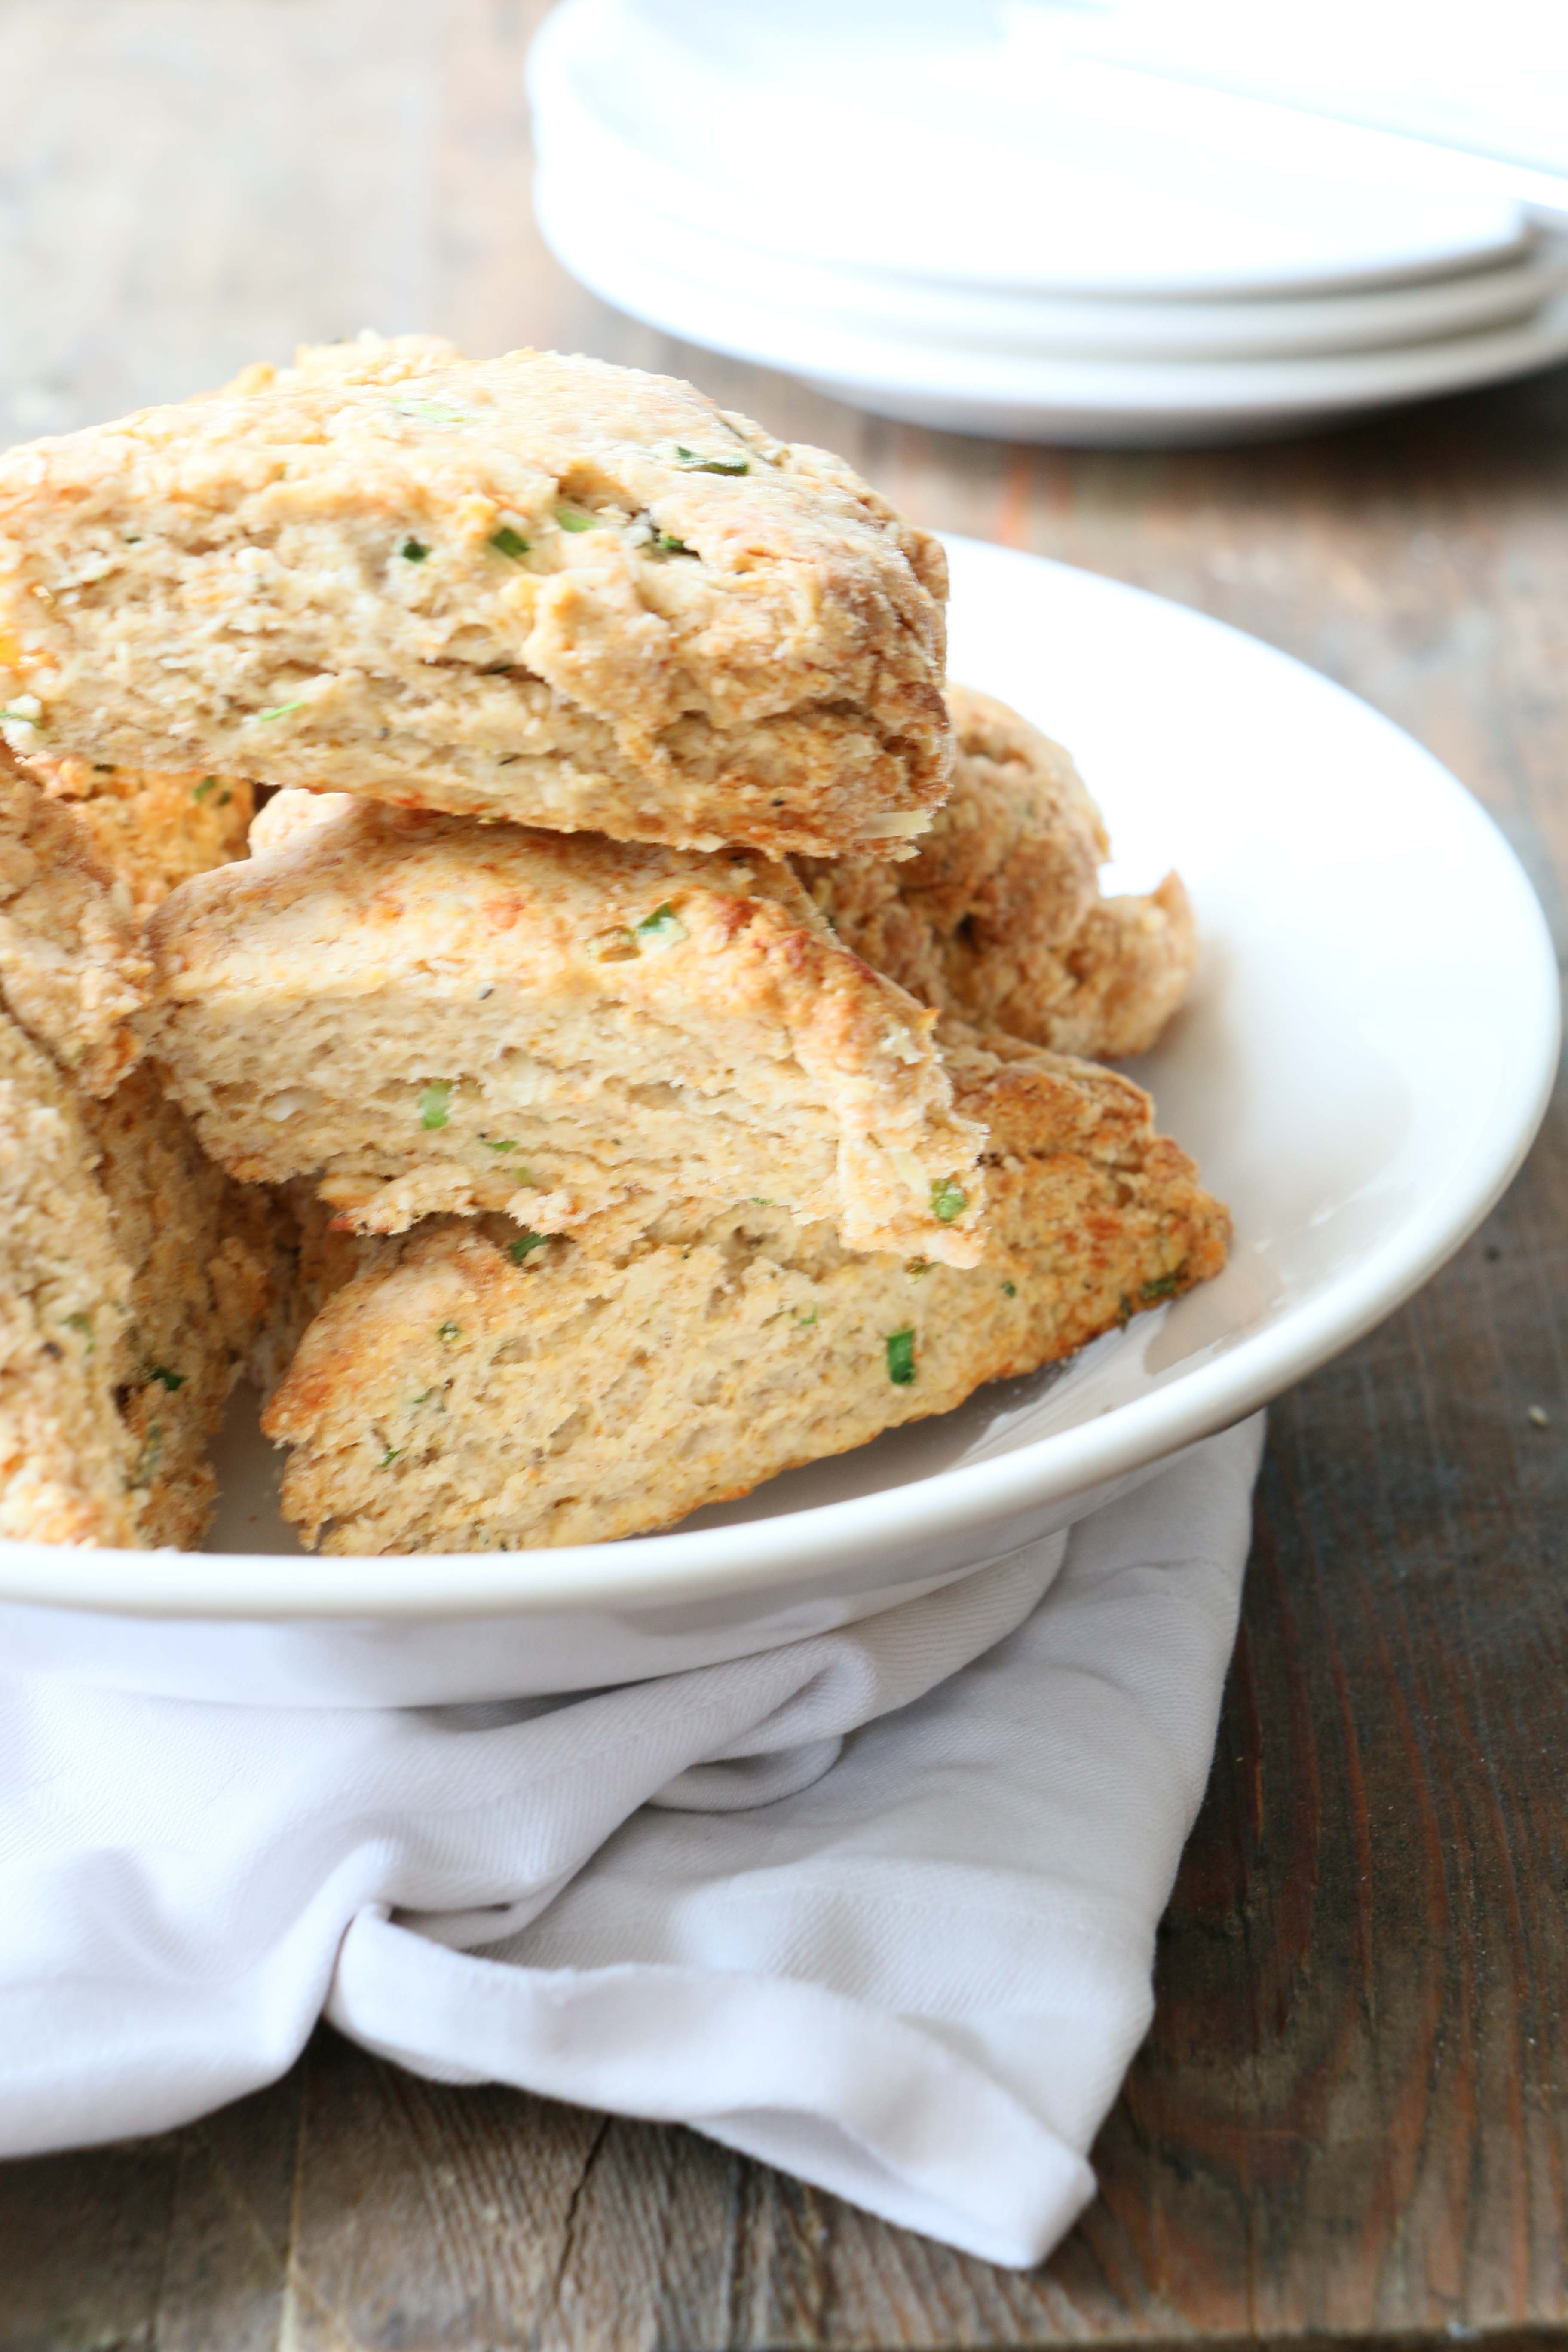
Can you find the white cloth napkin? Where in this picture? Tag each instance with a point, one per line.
(878, 1907)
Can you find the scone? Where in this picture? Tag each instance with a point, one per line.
(152, 828)
(473, 1387)
(998, 919)
(134, 1279)
(424, 1013)
(537, 587)
(72, 969)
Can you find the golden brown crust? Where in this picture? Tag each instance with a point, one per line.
(71, 970)
(426, 1013)
(997, 918)
(474, 1388)
(152, 828)
(536, 587)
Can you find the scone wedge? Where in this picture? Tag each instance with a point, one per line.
(473, 1387)
(424, 1014)
(535, 587)
(998, 919)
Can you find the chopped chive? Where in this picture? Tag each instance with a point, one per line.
(1009, 1290)
(224, 799)
(208, 784)
(947, 1200)
(510, 542)
(1165, 1287)
(423, 1397)
(664, 543)
(433, 411)
(171, 1381)
(147, 1460)
(569, 521)
(760, 1200)
(448, 1333)
(83, 1323)
(414, 551)
(662, 929)
(806, 1319)
(916, 1266)
(1124, 1310)
(901, 1358)
(518, 1250)
(282, 709)
(393, 1453)
(691, 461)
(499, 1143)
(433, 1102)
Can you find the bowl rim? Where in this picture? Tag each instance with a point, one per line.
(772, 1553)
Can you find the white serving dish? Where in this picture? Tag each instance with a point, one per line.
(1026, 395)
(712, 264)
(916, 144)
(1366, 1057)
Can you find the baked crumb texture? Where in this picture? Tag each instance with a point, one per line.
(426, 1014)
(150, 828)
(535, 587)
(471, 1387)
(998, 917)
(134, 1275)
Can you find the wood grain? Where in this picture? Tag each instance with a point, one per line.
(1350, 2123)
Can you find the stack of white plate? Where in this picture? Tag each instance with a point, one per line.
(917, 207)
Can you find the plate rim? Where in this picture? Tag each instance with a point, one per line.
(770, 1554)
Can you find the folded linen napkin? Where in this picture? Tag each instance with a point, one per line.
(878, 1907)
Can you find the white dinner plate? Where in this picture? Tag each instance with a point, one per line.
(1023, 396)
(924, 150)
(713, 265)
(1366, 1056)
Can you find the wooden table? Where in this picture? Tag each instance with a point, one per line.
(1351, 2119)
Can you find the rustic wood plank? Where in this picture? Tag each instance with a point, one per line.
(1350, 2120)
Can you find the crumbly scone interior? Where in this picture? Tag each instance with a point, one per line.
(425, 1016)
(152, 828)
(473, 1386)
(71, 967)
(541, 587)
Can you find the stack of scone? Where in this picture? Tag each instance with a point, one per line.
(634, 1056)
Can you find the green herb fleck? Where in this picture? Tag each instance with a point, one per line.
(901, 1358)
(1124, 1310)
(208, 784)
(224, 798)
(433, 411)
(571, 521)
(507, 758)
(83, 1323)
(423, 1397)
(508, 543)
(433, 1102)
(1165, 1287)
(282, 709)
(1009, 1290)
(171, 1381)
(916, 1266)
(760, 1200)
(448, 1333)
(691, 461)
(146, 1461)
(25, 718)
(662, 929)
(414, 551)
(948, 1199)
(518, 1250)
(664, 543)
(499, 1143)
(806, 1319)
(393, 1454)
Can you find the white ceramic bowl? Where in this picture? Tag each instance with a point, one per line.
(1364, 1062)
(1033, 395)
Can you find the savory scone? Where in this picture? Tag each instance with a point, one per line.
(476, 1387)
(997, 918)
(134, 1280)
(425, 1013)
(152, 828)
(535, 587)
(71, 970)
